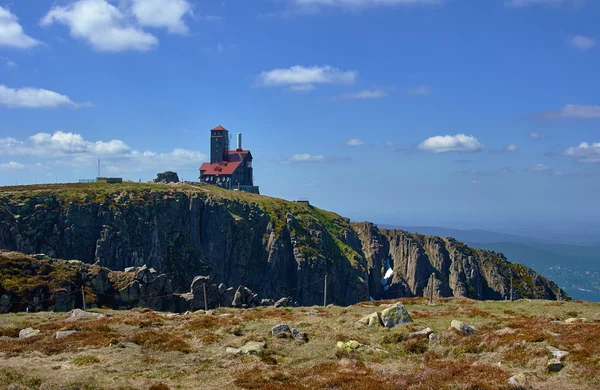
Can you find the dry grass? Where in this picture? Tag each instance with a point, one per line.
(188, 352)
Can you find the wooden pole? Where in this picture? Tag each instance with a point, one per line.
(431, 278)
(559, 295)
(205, 299)
(83, 298)
(325, 292)
(511, 288)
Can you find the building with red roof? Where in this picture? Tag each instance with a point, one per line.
(230, 169)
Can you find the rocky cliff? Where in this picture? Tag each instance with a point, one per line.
(274, 247)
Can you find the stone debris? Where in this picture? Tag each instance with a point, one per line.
(463, 327)
(29, 332)
(64, 333)
(281, 331)
(79, 314)
(518, 380)
(254, 348)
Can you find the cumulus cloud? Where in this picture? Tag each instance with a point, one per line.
(102, 25)
(355, 142)
(420, 90)
(162, 14)
(541, 168)
(11, 32)
(363, 94)
(305, 77)
(585, 152)
(11, 166)
(582, 43)
(451, 143)
(35, 98)
(574, 111)
(72, 149)
(510, 148)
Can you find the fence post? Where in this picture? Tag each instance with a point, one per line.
(325, 292)
(205, 299)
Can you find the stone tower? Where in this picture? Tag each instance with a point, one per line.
(219, 144)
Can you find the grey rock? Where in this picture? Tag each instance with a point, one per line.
(79, 314)
(29, 332)
(433, 338)
(254, 348)
(555, 365)
(557, 353)
(266, 302)
(281, 330)
(463, 327)
(395, 315)
(284, 302)
(424, 332)
(518, 380)
(299, 336)
(64, 333)
(232, 351)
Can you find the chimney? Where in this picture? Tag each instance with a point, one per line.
(239, 141)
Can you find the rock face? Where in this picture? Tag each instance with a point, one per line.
(274, 248)
(167, 177)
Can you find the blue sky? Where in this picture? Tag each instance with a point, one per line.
(479, 113)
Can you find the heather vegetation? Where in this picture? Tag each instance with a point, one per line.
(143, 349)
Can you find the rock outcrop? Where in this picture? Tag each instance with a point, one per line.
(273, 247)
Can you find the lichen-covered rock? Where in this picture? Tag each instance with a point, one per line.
(29, 332)
(519, 380)
(557, 353)
(463, 327)
(578, 320)
(395, 315)
(351, 346)
(433, 339)
(372, 320)
(281, 330)
(254, 348)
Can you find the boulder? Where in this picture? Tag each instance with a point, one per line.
(557, 353)
(146, 275)
(425, 332)
(244, 297)
(555, 365)
(462, 327)
(351, 346)
(433, 338)
(395, 315)
(227, 297)
(166, 177)
(580, 320)
(254, 348)
(64, 333)
(372, 320)
(232, 351)
(79, 314)
(518, 380)
(281, 331)
(266, 302)
(29, 332)
(299, 336)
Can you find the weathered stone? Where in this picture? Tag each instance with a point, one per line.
(64, 333)
(555, 365)
(79, 314)
(557, 353)
(29, 332)
(425, 332)
(433, 338)
(243, 297)
(518, 380)
(254, 348)
(146, 275)
(299, 336)
(372, 320)
(579, 320)
(395, 315)
(350, 346)
(462, 327)
(266, 302)
(284, 302)
(281, 330)
(232, 351)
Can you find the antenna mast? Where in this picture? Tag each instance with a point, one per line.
(98, 169)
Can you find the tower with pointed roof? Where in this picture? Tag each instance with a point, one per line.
(230, 169)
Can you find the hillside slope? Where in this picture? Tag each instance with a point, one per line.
(275, 247)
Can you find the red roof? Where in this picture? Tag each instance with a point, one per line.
(220, 128)
(221, 168)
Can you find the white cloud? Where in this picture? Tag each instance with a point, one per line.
(303, 88)
(11, 166)
(388, 144)
(298, 75)
(510, 148)
(34, 98)
(363, 94)
(8, 62)
(420, 90)
(574, 111)
(537, 135)
(363, 3)
(582, 43)
(305, 157)
(451, 143)
(11, 32)
(355, 142)
(71, 149)
(162, 14)
(476, 182)
(585, 152)
(541, 168)
(104, 26)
